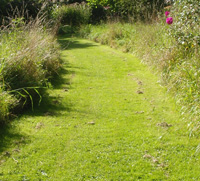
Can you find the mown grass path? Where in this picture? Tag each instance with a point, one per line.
(108, 119)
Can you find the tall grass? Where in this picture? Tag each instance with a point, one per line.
(7, 103)
(29, 58)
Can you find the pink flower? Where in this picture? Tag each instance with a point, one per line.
(169, 20)
(167, 13)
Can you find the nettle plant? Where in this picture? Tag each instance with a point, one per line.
(186, 24)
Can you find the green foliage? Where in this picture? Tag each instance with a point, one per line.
(73, 15)
(73, 1)
(15, 8)
(184, 70)
(7, 102)
(29, 58)
(95, 3)
(135, 9)
(186, 24)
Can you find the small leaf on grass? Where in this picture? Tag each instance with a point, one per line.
(39, 125)
(91, 123)
(140, 92)
(130, 74)
(139, 112)
(164, 124)
(44, 173)
(147, 156)
(161, 165)
(154, 160)
(15, 160)
(16, 150)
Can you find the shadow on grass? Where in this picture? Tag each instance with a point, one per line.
(68, 44)
(10, 135)
(52, 105)
(60, 81)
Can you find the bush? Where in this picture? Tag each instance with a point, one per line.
(184, 71)
(143, 10)
(73, 15)
(186, 24)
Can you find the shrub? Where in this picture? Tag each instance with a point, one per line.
(73, 15)
(185, 73)
(186, 27)
(143, 10)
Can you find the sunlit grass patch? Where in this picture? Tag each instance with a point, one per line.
(176, 64)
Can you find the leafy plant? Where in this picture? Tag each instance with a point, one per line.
(7, 102)
(73, 15)
(186, 26)
(134, 9)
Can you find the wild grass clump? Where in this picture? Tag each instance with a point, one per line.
(71, 16)
(7, 103)
(29, 58)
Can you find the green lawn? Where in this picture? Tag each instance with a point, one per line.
(107, 119)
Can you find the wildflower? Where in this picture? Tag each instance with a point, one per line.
(169, 20)
(167, 13)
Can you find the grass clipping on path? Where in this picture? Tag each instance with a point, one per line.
(29, 57)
